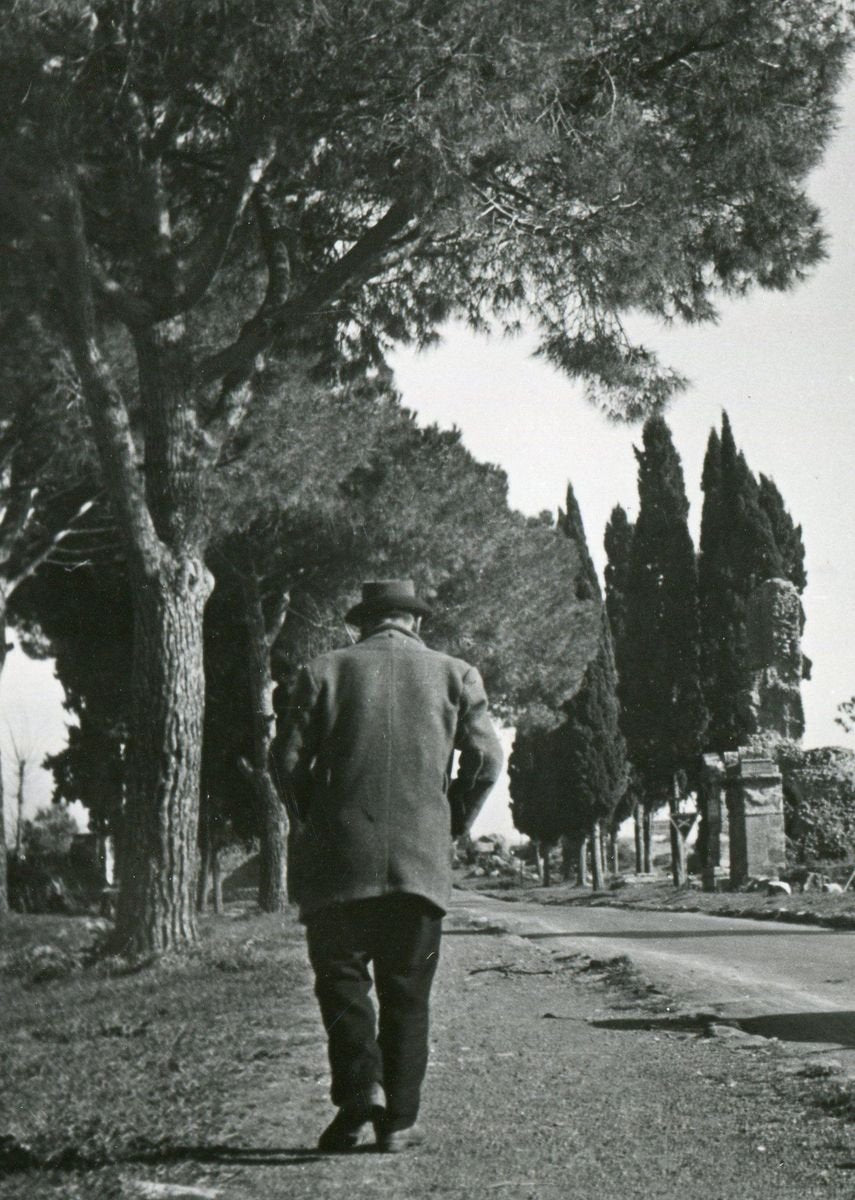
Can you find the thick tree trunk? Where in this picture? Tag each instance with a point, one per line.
(596, 858)
(272, 861)
(273, 822)
(159, 506)
(156, 905)
(582, 863)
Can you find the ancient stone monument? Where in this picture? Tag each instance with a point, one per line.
(741, 793)
(775, 663)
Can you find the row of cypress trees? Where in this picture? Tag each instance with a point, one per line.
(668, 679)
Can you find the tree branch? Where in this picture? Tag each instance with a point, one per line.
(105, 404)
(153, 205)
(15, 519)
(44, 554)
(272, 318)
(116, 300)
(273, 625)
(274, 244)
(198, 267)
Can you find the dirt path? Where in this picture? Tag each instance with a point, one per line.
(543, 1084)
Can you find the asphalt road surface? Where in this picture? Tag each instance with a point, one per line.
(794, 982)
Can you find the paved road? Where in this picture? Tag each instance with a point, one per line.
(796, 982)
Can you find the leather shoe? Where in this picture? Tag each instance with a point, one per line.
(352, 1125)
(395, 1141)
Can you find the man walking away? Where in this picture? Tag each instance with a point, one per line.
(363, 761)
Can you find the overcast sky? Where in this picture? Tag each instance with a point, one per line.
(782, 365)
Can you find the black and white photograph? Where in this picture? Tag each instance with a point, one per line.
(427, 576)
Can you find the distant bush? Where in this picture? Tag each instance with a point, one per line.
(49, 835)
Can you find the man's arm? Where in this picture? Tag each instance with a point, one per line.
(481, 756)
(293, 748)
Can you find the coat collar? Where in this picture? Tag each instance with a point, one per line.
(390, 630)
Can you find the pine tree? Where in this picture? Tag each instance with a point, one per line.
(664, 712)
(738, 550)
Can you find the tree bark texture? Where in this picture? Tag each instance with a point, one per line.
(156, 907)
(596, 857)
(273, 821)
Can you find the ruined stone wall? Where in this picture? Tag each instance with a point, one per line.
(819, 792)
(774, 623)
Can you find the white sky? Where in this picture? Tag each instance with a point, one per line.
(782, 365)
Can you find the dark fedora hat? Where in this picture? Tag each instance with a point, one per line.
(387, 595)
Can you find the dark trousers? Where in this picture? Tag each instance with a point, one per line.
(400, 936)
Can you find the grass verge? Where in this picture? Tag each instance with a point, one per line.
(101, 1065)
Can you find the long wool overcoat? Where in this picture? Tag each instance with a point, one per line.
(363, 761)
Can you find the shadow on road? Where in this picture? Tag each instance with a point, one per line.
(16, 1159)
(836, 1027)
(652, 935)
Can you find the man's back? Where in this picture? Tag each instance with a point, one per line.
(367, 755)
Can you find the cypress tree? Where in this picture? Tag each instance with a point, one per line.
(617, 542)
(618, 546)
(592, 753)
(738, 551)
(571, 525)
(664, 712)
(787, 535)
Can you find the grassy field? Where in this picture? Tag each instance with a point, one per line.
(101, 1064)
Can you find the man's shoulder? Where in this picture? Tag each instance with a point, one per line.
(451, 663)
(335, 659)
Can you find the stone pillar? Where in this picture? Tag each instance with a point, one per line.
(755, 802)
